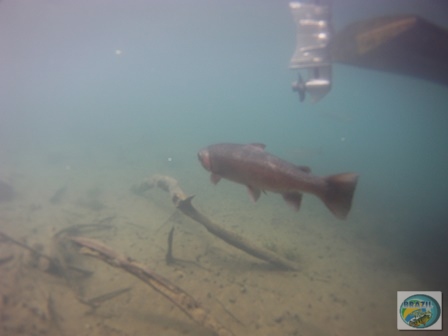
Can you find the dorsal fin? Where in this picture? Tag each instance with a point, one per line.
(258, 145)
(305, 169)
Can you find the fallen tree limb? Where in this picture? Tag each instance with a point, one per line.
(176, 295)
(183, 203)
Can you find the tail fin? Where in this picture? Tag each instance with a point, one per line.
(339, 195)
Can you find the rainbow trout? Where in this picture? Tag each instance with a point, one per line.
(258, 170)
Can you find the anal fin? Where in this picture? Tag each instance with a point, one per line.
(215, 178)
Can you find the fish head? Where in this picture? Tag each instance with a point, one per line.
(204, 158)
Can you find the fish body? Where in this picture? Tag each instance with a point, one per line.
(422, 320)
(252, 166)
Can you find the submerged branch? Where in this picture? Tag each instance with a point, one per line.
(183, 203)
(176, 295)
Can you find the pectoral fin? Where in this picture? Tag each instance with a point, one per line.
(215, 178)
(294, 199)
(254, 193)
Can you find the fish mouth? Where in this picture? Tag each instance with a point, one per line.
(204, 158)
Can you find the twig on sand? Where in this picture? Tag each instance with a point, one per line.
(169, 253)
(53, 266)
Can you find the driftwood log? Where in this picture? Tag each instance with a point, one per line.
(183, 203)
(176, 295)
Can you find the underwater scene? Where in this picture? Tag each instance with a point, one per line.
(206, 167)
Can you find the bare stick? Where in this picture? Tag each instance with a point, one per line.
(26, 247)
(183, 203)
(176, 295)
(54, 266)
(96, 301)
(169, 254)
